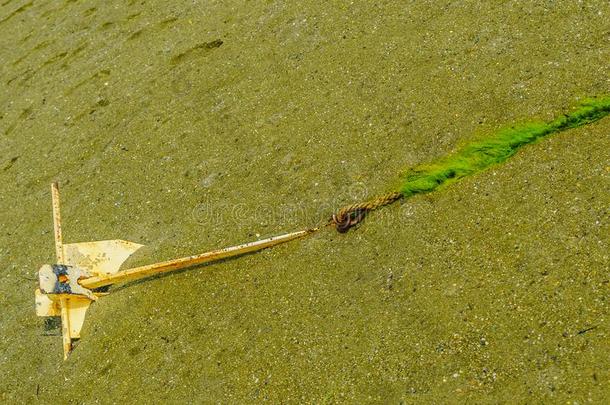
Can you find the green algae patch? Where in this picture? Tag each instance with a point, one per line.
(497, 148)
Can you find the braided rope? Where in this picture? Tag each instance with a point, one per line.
(353, 214)
(474, 158)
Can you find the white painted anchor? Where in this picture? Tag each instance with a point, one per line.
(67, 288)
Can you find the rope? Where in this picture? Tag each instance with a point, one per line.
(353, 214)
(473, 158)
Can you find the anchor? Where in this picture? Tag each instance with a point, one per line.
(67, 288)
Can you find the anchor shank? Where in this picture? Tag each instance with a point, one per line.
(137, 273)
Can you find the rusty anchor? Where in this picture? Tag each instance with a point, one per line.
(67, 288)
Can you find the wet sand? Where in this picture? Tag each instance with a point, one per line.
(188, 126)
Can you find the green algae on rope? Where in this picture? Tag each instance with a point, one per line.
(476, 157)
(497, 148)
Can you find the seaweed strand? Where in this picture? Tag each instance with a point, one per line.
(473, 158)
(497, 148)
